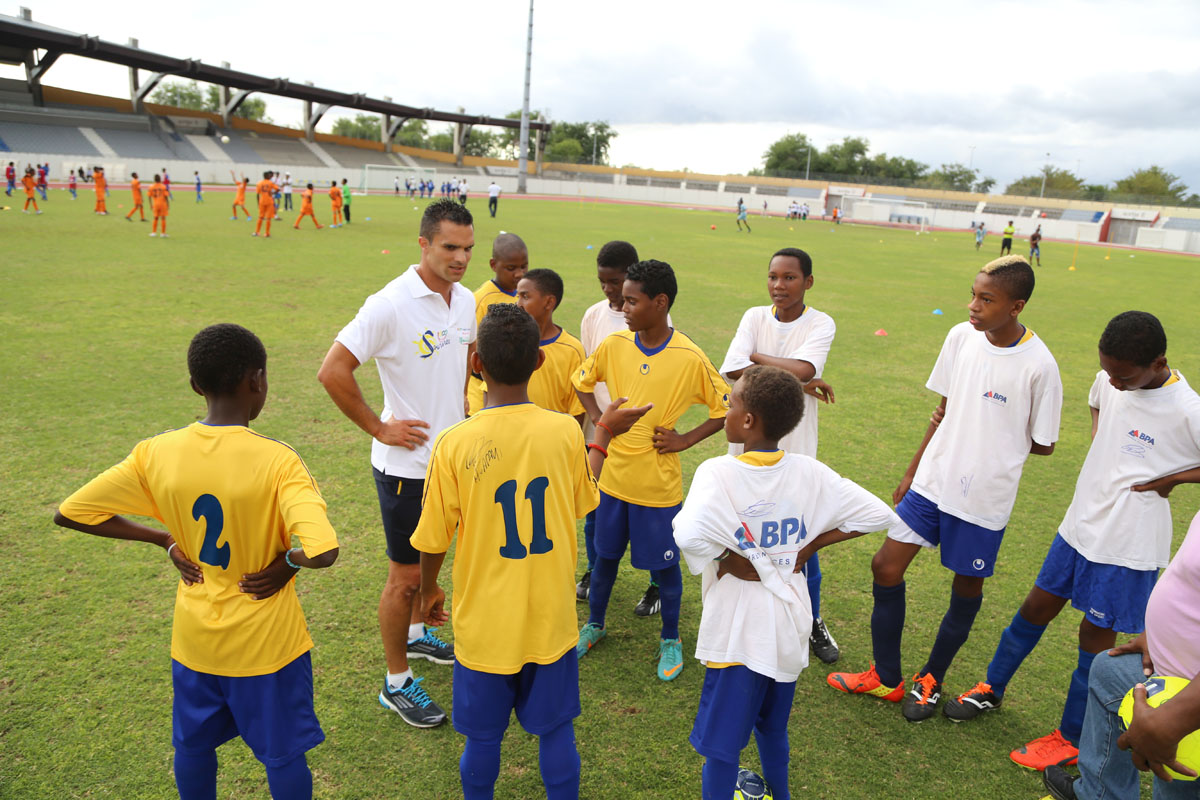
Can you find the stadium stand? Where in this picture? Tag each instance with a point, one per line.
(1181, 224)
(736, 188)
(22, 137)
(1007, 211)
(1081, 215)
(282, 151)
(804, 192)
(237, 149)
(703, 186)
(134, 144)
(355, 158)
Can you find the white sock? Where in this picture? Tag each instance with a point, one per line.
(396, 680)
(416, 631)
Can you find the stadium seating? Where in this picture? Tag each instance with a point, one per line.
(237, 149)
(282, 151)
(22, 137)
(1182, 224)
(1081, 215)
(135, 144)
(355, 158)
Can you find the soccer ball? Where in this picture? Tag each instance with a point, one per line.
(224, 140)
(750, 786)
(1160, 689)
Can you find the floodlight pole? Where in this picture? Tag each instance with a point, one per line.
(1045, 170)
(807, 161)
(523, 146)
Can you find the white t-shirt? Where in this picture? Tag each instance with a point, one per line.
(806, 339)
(599, 321)
(1000, 401)
(765, 624)
(286, 185)
(462, 186)
(420, 348)
(454, 186)
(1141, 435)
(494, 190)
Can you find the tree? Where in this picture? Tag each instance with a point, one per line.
(361, 126)
(953, 177)
(413, 133)
(1059, 183)
(895, 168)
(985, 185)
(481, 143)
(254, 108)
(788, 155)
(1094, 191)
(442, 141)
(1154, 184)
(179, 94)
(565, 151)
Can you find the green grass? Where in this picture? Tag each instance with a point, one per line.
(97, 317)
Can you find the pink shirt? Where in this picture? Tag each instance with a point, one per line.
(1173, 612)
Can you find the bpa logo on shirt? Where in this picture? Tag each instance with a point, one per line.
(997, 398)
(1141, 443)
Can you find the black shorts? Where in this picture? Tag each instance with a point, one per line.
(400, 506)
(1006, 243)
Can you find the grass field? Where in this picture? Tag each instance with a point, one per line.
(98, 316)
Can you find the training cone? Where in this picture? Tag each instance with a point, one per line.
(1071, 268)
(589, 247)
(712, 227)
(385, 252)
(790, 228)
(368, 219)
(937, 312)
(503, 232)
(881, 332)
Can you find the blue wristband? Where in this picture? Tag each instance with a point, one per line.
(287, 556)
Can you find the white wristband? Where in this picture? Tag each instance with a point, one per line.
(172, 547)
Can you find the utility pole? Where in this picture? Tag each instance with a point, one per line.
(523, 147)
(1045, 172)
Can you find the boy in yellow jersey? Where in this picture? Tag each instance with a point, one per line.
(231, 500)
(135, 186)
(514, 618)
(642, 489)
(509, 261)
(760, 513)
(539, 293)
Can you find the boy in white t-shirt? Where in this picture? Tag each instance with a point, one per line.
(795, 337)
(1001, 396)
(760, 515)
(1117, 531)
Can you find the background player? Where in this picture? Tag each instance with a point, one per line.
(1035, 245)
(1145, 437)
(135, 186)
(514, 619)
(346, 200)
(239, 199)
(240, 662)
(601, 319)
(101, 186)
(306, 208)
(160, 205)
(509, 261)
(1006, 242)
(10, 178)
(264, 191)
(424, 386)
(199, 189)
(1001, 396)
(28, 183)
(756, 616)
(795, 337)
(335, 201)
(650, 363)
(540, 292)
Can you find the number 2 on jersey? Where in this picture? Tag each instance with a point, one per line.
(209, 507)
(535, 493)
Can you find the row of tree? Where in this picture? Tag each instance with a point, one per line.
(794, 156)
(188, 94)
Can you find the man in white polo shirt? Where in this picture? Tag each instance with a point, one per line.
(420, 329)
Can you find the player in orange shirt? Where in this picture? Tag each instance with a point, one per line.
(335, 199)
(306, 208)
(136, 186)
(265, 189)
(160, 204)
(29, 182)
(101, 189)
(239, 200)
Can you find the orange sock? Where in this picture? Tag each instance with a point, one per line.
(164, 230)
(155, 226)
(268, 226)
(258, 227)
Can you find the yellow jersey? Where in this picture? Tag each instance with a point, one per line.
(550, 385)
(511, 481)
(232, 499)
(486, 295)
(673, 376)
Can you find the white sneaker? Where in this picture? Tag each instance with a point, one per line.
(154, 234)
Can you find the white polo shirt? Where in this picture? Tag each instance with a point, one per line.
(286, 184)
(1000, 401)
(807, 338)
(420, 348)
(494, 190)
(1141, 435)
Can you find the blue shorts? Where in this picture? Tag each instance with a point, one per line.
(543, 695)
(400, 506)
(1109, 596)
(653, 544)
(967, 549)
(272, 713)
(733, 703)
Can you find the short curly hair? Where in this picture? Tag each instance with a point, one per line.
(617, 255)
(1134, 336)
(220, 356)
(444, 210)
(507, 343)
(775, 396)
(1014, 274)
(656, 277)
(548, 282)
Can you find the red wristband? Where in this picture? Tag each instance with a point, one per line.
(594, 446)
(600, 424)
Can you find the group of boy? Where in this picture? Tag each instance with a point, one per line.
(752, 522)
(797, 210)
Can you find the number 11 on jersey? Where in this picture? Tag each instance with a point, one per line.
(535, 493)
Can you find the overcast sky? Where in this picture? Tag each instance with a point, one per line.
(1103, 87)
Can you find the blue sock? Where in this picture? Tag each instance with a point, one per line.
(1071, 725)
(479, 767)
(589, 538)
(887, 626)
(773, 753)
(953, 633)
(812, 572)
(292, 780)
(1017, 642)
(670, 591)
(604, 575)
(559, 760)
(196, 776)
(718, 779)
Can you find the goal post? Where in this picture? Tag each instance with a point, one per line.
(915, 214)
(382, 178)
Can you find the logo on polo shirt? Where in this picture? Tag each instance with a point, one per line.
(744, 539)
(997, 398)
(431, 342)
(1140, 443)
(645, 369)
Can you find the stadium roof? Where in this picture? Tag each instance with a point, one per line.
(18, 36)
